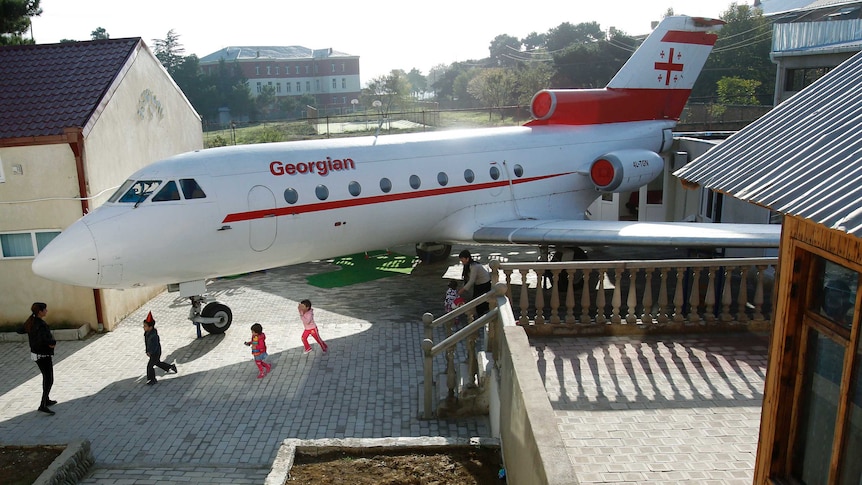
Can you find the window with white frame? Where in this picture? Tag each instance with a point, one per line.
(2, 177)
(24, 244)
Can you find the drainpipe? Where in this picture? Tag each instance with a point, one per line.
(75, 138)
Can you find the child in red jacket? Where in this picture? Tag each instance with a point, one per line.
(258, 350)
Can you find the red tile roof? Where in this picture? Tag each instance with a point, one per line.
(45, 88)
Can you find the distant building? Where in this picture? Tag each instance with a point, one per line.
(330, 76)
(809, 41)
(76, 119)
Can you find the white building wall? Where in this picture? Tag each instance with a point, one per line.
(46, 172)
(145, 118)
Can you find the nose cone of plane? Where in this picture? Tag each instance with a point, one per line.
(70, 258)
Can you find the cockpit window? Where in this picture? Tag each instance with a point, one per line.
(191, 189)
(138, 190)
(168, 192)
(122, 190)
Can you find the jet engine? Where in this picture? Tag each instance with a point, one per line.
(625, 170)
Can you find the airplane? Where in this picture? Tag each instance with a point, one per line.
(232, 210)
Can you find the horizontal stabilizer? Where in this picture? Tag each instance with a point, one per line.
(631, 233)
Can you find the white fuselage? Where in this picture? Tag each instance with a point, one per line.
(249, 220)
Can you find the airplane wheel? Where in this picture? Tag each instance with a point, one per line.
(219, 311)
(430, 252)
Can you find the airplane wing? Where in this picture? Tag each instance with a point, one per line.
(631, 233)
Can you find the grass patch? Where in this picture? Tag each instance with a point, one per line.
(362, 267)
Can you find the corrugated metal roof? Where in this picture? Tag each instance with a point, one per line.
(45, 88)
(803, 158)
(271, 53)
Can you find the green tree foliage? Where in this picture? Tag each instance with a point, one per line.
(393, 91)
(502, 49)
(566, 35)
(169, 51)
(224, 88)
(15, 18)
(591, 61)
(531, 78)
(99, 34)
(734, 90)
(418, 82)
(265, 103)
(534, 41)
(493, 87)
(741, 51)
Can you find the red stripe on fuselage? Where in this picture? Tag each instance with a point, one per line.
(378, 199)
(683, 37)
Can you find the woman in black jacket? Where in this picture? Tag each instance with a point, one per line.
(42, 351)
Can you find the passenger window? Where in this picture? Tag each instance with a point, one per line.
(469, 176)
(519, 171)
(385, 185)
(415, 182)
(290, 196)
(191, 189)
(442, 179)
(495, 173)
(168, 192)
(322, 192)
(354, 188)
(139, 191)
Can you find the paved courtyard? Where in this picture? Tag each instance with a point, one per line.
(630, 410)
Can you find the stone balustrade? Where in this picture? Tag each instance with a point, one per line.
(619, 297)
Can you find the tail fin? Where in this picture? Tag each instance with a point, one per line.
(654, 84)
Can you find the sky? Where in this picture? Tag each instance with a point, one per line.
(386, 35)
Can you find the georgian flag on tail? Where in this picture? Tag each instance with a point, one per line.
(654, 84)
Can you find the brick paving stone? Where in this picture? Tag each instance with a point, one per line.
(682, 409)
(214, 421)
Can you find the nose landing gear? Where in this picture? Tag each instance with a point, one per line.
(214, 317)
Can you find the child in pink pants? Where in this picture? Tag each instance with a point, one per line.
(307, 316)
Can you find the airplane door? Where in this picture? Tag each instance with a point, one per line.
(262, 230)
(513, 170)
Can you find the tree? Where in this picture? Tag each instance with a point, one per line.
(742, 51)
(15, 18)
(591, 64)
(169, 51)
(435, 74)
(566, 35)
(493, 87)
(418, 82)
(502, 49)
(265, 102)
(390, 90)
(734, 90)
(534, 41)
(530, 79)
(99, 34)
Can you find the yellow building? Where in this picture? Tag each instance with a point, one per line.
(76, 119)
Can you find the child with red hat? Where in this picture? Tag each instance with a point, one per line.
(154, 350)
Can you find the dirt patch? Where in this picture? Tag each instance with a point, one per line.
(479, 466)
(22, 465)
